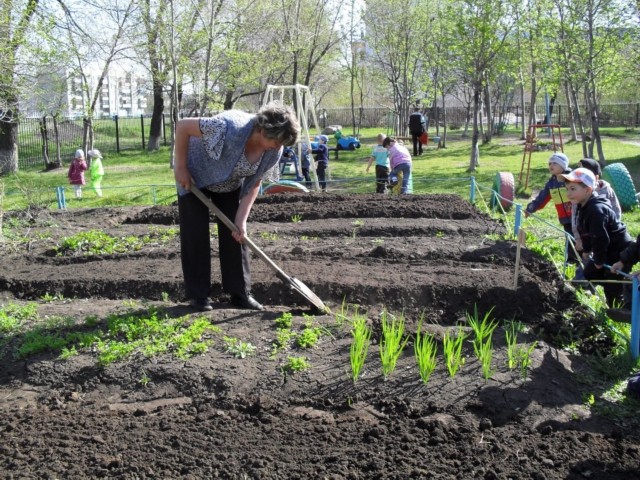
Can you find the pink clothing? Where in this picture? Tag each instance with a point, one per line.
(398, 154)
(76, 171)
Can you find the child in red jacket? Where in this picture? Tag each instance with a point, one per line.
(556, 190)
(76, 172)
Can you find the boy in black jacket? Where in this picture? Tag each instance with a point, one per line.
(603, 235)
(628, 258)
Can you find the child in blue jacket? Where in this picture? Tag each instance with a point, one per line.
(322, 157)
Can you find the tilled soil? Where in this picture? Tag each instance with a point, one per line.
(432, 258)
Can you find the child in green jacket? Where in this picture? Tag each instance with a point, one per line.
(96, 171)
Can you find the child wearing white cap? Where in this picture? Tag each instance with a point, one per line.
(603, 235)
(96, 171)
(556, 191)
(76, 172)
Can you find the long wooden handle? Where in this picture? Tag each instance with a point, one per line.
(232, 226)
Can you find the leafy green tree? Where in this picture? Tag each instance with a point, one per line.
(481, 31)
(88, 45)
(395, 31)
(592, 38)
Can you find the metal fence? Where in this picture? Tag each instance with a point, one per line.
(111, 134)
(121, 133)
(611, 115)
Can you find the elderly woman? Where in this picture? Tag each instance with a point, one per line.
(226, 156)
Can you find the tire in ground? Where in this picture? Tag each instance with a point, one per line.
(622, 183)
(503, 185)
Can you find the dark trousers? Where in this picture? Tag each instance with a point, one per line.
(307, 177)
(382, 178)
(613, 292)
(195, 246)
(320, 171)
(417, 144)
(571, 253)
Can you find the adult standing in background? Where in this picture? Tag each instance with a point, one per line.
(417, 126)
(227, 156)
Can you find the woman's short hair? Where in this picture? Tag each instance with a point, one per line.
(278, 122)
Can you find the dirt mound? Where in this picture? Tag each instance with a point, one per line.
(433, 258)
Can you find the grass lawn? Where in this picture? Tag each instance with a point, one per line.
(139, 178)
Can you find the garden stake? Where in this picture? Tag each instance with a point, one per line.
(521, 241)
(294, 283)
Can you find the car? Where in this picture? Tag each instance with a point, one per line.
(348, 143)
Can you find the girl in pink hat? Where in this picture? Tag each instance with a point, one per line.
(76, 172)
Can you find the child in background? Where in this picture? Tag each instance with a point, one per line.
(400, 161)
(76, 172)
(603, 236)
(556, 190)
(380, 155)
(96, 171)
(305, 164)
(322, 157)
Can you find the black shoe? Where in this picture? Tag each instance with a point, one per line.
(245, 301)
(201, 304)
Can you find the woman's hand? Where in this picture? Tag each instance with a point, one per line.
(241, 231)
(182, 176)
(244, 208)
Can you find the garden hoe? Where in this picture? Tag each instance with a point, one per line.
(294, 283)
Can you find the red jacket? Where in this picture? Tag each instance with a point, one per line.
(76, 172)
(557, 191)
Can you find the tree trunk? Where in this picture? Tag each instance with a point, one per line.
(523, 128)
(9, 144)
(465, 132)
(532, 103)
(87, 137)
(595, 126)
(578, 117)
(56, 134)
(228, 100)
(155, 130)
(572, 119)
(474, 159)
(488, 132)
(48, 164)
(443, 138)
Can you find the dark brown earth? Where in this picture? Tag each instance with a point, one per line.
(217, 416)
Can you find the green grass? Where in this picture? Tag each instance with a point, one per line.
(131, 178)
(142, 178)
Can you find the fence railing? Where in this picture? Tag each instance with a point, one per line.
(62, 138)
(114, 134)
